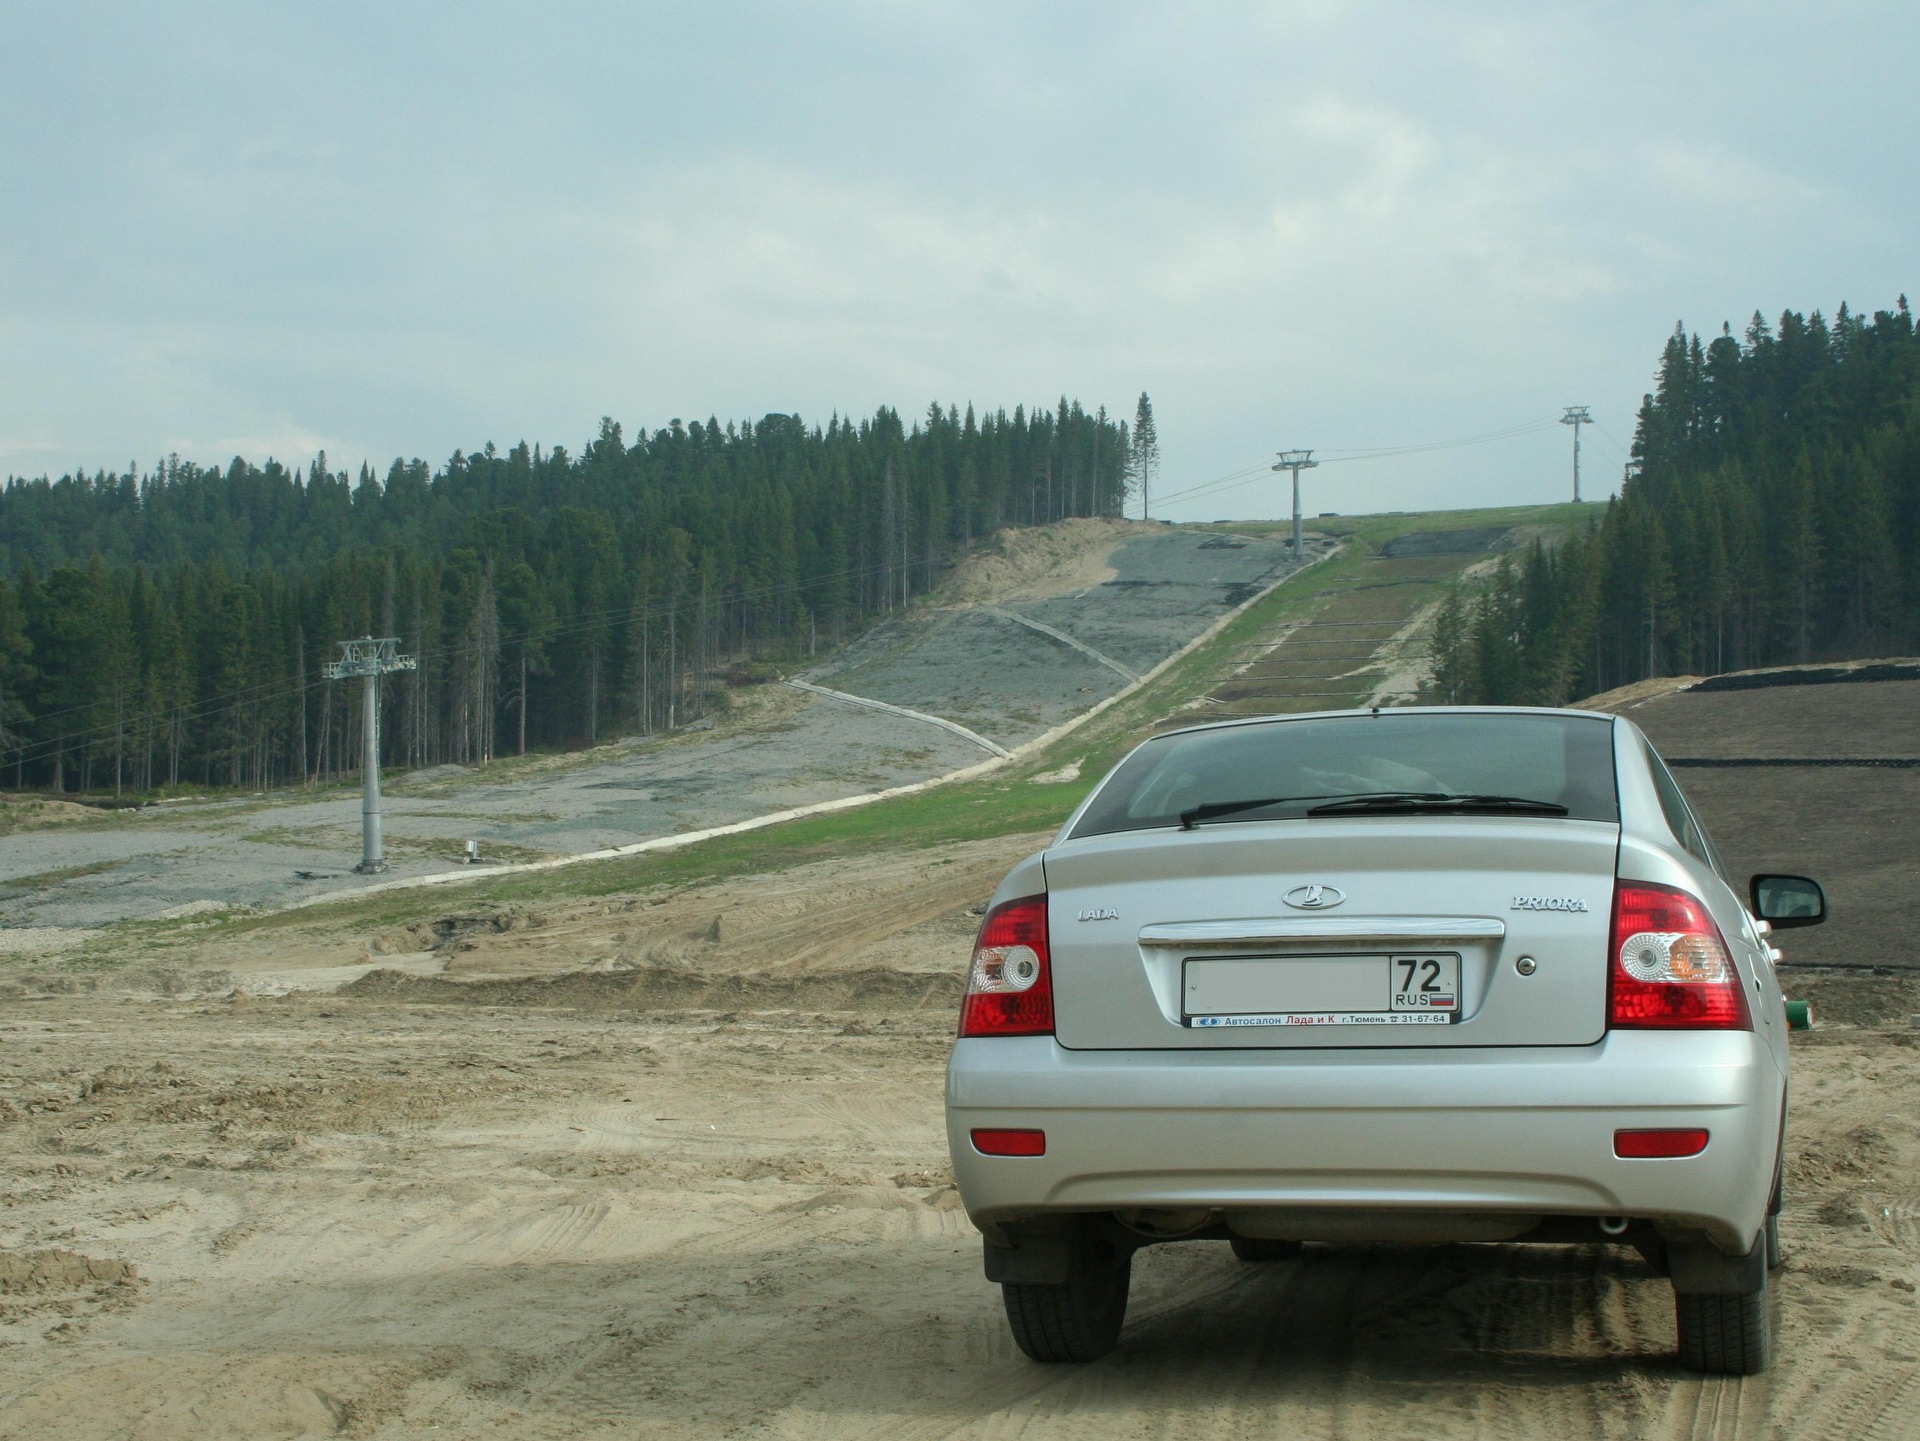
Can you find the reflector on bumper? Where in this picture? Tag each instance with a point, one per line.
(1010, 1143)
(1635, 1145)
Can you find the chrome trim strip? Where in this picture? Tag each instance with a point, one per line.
(1323, 928)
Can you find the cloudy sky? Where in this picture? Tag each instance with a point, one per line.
(400, 229)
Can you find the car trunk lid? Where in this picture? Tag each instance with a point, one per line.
(1278, 934)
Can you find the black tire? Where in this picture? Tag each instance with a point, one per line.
(1078, 1320)
(1725, 1335)
(1254, 1248)
(1776, 1257)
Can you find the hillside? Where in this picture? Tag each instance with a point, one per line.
(165, 633)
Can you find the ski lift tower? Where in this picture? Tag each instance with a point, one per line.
(1576, 416)
(1296, 461)
(370, 658)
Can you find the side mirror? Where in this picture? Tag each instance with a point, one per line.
(1788, 901)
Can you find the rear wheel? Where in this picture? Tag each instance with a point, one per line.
(1077, 1320)
(1255, 1248)
(1725, 1335)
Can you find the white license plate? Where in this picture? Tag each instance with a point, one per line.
(1393, 990)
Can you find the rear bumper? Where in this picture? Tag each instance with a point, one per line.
(1514, 1130)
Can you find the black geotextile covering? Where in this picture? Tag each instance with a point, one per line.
(1816, 675)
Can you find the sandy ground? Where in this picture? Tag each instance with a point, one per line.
(1139, 592)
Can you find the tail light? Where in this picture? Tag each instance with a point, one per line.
(1670, 968)
(1010, 989)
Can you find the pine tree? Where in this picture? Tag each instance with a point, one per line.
(1146, 453)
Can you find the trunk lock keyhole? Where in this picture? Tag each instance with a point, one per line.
(1526, 965)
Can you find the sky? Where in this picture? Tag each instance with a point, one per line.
(402, 229)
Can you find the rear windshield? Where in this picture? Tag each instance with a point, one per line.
(1562, 760)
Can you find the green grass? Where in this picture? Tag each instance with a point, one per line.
(1381, 528)
(1004, 803)
(19, 885)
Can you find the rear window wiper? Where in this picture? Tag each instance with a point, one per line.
(1415, 804)
(1213, 810)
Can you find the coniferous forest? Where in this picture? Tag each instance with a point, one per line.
(1770, 515)
(170, 628)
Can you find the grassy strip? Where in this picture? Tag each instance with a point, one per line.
(39, 880)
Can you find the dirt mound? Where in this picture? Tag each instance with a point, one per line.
(668, 989)
(35, 813)
(29, 1273)
(1848, 672)
(1033, 564)
(1627, 697)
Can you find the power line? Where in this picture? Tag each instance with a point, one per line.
(1626, 452)
(1238, 478)
(1251, 472)
(1512, 432)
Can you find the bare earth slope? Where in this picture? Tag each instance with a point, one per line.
(1855, 828)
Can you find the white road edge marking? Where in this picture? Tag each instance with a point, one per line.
(880, 705)
(1106, 660)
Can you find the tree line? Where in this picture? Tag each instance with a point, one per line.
(170, 628)
(1770, 514)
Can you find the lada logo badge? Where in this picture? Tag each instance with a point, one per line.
(1100, 913)
(1314, 898)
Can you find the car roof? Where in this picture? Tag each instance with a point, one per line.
(1235, 721)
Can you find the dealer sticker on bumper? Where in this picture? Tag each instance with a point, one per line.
(1329, 1018)
(1420, 989)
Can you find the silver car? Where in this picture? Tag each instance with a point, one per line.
(1413, 975)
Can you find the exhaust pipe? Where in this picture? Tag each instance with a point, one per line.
(1163, 1225)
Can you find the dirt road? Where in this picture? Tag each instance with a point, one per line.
(704, 1192)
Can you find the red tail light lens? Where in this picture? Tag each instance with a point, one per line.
(1010, 1143)
(1654, 1145)
(1670, 967)
(1010, 986)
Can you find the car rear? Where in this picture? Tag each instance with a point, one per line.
(1386, 1004)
